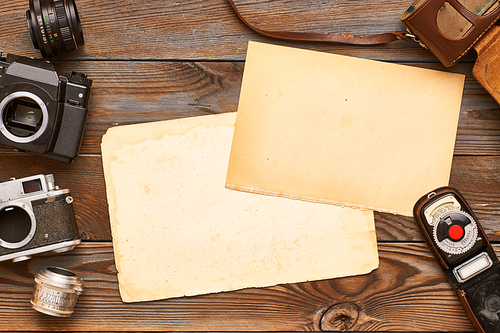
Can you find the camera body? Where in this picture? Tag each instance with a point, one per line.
(41, 112)
(35, 217)
(464, 253)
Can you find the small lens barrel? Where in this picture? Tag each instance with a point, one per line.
(56, 291)
(54, 26)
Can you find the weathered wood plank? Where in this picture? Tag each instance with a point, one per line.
(478, 178)
(127, 93)
(209, 29)
(161, 59)
(408, 292)
(153, 91)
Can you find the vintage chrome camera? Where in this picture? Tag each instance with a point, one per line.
(41, 112)
(35, 217)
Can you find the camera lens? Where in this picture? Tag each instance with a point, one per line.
(56, 291)
(15, 226)
(54, 26)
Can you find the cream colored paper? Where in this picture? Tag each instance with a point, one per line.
(327, 128)
(177, 231)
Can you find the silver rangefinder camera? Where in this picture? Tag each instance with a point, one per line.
(35, 217)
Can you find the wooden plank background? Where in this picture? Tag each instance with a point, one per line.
(155, 60)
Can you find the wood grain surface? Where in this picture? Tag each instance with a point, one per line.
(406, 293)
(157, 60)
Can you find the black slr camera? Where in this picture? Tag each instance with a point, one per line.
(35, 217)
(41, 112)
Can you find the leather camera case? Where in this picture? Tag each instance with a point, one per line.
(421, 21)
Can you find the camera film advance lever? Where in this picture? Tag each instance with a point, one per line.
(464, 253)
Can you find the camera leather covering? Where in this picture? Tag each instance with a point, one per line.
(72, 126)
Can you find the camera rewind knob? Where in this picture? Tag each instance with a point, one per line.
(50, 182)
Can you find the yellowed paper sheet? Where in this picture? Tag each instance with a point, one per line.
(327, 128)
(177, 231)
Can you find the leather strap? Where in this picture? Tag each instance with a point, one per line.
(328, 36)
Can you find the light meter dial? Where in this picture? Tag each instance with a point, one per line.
(455, 232)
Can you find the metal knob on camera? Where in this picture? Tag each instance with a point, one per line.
(56, 291)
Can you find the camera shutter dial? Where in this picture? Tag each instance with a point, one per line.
(455, 232)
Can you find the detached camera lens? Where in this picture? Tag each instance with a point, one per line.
(56, 291)
(54, 26)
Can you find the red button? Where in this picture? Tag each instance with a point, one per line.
(456, 232)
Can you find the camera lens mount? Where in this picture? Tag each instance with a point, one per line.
(54, 26)
(23, 117)
(17, 225)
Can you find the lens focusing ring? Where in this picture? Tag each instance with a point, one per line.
(54, 26)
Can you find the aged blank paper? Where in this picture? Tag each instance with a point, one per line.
(178, 232)
(341, 130)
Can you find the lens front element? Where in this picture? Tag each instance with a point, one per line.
(54, 26)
